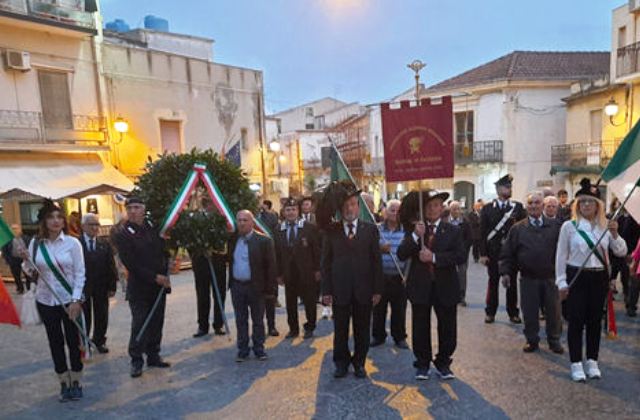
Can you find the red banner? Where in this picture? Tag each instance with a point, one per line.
(418, 141)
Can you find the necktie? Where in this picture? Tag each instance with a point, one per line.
(537, 222)
(351, 234)
(291, 234)
(92, 247)
(430, 235)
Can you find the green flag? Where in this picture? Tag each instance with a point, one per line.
(6, 235)
(340, 172)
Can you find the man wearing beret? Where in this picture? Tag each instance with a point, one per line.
(143, 253)
(496, 219)
(298, 259)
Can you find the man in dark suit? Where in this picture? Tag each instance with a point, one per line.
(306, 210)
(474, 223)
(143, 252)
(101, 280)
(496, 218)
(352, 282)
(298, 256)
(456, 218)
(252, 279)
(433, 283)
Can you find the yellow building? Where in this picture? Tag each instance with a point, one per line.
(54, 141)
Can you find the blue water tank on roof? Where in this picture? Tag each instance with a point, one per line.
(118, 25)
(156, 23)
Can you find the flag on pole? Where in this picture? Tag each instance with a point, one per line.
(8, 313)
(6, 235)
(623, 171)
(340, 172)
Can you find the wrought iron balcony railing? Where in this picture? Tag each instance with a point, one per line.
(70, 12)
(627, 60)
(28, 128)
(489, 151)
(578, 156)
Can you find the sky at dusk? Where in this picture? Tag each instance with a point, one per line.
(357, 50)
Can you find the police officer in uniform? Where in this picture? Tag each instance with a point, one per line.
(143, 253)
(298, 256)
(496, 218)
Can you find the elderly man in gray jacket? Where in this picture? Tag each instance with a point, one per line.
(530, 248)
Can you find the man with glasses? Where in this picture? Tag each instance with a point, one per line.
(101, 279)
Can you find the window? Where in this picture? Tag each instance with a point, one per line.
(319, 122)
(596, 126)
(29, 212)
(170, 136)
(244, 138)
(308, 111)
(309, 126)
(464, 127)
(55, 100)
(622, 36)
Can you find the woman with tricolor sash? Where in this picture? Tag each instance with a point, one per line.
(584, 296)
(60, 266)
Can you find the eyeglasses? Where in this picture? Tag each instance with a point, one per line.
(588, 201)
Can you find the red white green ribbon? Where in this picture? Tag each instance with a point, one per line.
(262, 228)
(199, 172)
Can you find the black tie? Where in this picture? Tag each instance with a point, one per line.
(351, 234)
(92, 248)
(291, 234)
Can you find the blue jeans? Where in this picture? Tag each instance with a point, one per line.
(244, 298)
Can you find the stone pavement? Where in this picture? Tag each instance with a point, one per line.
(495, 379)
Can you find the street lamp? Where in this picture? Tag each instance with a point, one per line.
(274, 146)
(611, 109)
(121, 126)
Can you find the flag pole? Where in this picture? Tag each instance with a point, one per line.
(393, 257)
(616, 214)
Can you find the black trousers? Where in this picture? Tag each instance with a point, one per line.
(619, 266)
(394, 295)
(511, 294)
(533, 294)
(634, 292)
(204, 290)
(270, 310)
(421, 334)
(295, 288)
(16, 273)
(244, 299)
(475, 247)
(96, 308)
(360, 316)
(60, 329)
(150, 341)
(584, 310)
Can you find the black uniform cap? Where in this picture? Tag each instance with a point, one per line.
(505, 181)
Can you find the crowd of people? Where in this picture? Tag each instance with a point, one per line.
(563, 257)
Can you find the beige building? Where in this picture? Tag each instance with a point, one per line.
(54, 139)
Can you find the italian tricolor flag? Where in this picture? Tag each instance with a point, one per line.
(623, 172)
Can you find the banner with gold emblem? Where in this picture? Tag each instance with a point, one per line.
(418, 140)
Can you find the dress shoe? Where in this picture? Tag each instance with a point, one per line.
(340, 372)
(242, 357)
(489, 319)
(262, 356)
(200, 333)
(136, 371)
(292, 334)
(402, 344)
(219, 331)
(556, 348)
(273, 332)
(158, 363)
(515, 319)
(308, 334)
(631, 313)
(530, 347)
(359, 372)
(102, 349)
(376, 342)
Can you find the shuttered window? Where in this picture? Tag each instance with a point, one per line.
(55, 100)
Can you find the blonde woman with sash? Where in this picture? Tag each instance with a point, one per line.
(583, 300)
(60, 263)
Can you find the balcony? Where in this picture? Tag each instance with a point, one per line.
(24, 130)
(66, 14)
(583, 157)
(489, 151)
(627, 60)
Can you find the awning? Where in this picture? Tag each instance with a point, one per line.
(58, 175)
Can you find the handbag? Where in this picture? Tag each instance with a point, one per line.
(28, 311)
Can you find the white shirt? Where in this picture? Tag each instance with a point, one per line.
(573, 249)
(345, 225)
(66, 254)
